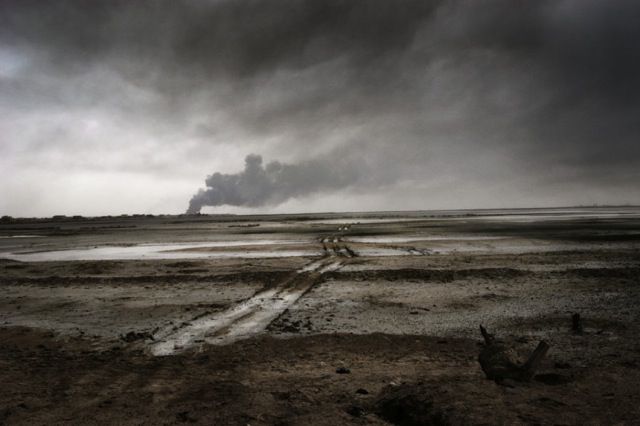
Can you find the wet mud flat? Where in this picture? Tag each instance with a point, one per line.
(318, 319)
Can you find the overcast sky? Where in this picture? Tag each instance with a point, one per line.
(111, 107)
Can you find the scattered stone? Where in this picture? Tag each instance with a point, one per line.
(290, 328)
(356, 411)
(553, 379)
(183, 416)
(576, 325)
(409, 405)
(548, 402)
(508, 383)
(630, 364)
(133, 336)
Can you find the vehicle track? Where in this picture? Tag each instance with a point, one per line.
(252, 315)
(334, 246)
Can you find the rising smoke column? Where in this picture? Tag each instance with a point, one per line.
(273, 184)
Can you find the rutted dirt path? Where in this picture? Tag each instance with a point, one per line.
(334, 246)
(253, 315)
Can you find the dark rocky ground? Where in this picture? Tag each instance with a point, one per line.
(381, 340)
(265, 381)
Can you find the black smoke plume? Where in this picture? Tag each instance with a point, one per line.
(273, 184)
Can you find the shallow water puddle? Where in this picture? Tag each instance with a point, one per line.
(530, 218)
(165, 251)
(364, 220)
(22, 236)
(388, 252)
(410, 239)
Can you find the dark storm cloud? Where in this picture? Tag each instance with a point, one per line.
(241, 37)
(474, 90)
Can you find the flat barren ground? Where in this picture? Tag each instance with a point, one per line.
(319, 319)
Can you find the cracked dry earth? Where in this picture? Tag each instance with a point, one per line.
(203, 320)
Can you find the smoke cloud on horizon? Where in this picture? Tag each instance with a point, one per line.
(271, 184)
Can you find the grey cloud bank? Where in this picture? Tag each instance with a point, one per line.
(117, 106)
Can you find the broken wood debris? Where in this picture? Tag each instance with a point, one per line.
(499, 361)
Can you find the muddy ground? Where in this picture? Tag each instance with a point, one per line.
(317, 319)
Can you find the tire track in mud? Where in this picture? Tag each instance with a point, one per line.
(334, 246)
(252, 315)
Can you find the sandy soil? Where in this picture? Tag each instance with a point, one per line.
(384, 303)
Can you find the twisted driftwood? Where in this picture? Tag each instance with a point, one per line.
(499, 361)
